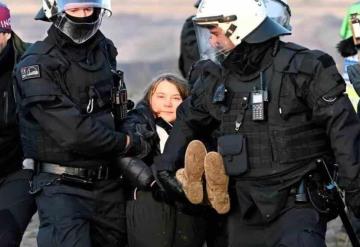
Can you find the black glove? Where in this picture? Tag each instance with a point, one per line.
(159, 194)
(136, 172)
(354, 76)
(352, 199)
(171, 185)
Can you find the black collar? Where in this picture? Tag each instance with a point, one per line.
(7, 58)
(163, 124)
(73, 51)
(248, 60)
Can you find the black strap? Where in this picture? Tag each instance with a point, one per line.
(240, 117)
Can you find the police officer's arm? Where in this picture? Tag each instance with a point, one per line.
(134, 170)
(63, 122)
(332, 108)
(137, 122)
(59, 116)
(193, 122)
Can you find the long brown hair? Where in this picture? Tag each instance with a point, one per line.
(177, 81)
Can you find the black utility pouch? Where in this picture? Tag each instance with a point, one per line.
(234, 153)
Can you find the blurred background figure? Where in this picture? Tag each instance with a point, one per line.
(348, 49)
(189, 52)
(346, 46)
(353, 72)
(17, 206)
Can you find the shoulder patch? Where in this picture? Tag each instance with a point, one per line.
(30, 72)
(326, 60)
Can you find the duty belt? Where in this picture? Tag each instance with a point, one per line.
(99, 173)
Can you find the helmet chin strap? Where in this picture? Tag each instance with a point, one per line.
(230, 30)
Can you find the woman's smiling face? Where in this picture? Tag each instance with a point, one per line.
(165, 100)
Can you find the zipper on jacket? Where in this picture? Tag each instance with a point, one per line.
(6, 107)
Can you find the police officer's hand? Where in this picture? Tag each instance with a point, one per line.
(159, 194)
(352, 199)
(171, 185)
(354, 76)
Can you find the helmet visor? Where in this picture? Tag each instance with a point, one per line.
(268, 29)
(78, 32)
(64, 5)
(213, 43)
(279, 12)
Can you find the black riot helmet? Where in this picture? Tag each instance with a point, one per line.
(78, 29)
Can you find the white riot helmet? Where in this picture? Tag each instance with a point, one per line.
(78, 31)
(279, 11)
(240, 20)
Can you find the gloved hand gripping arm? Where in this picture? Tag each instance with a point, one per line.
(136, 172)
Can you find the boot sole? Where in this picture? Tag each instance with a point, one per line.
(217, 182)
(191, 175)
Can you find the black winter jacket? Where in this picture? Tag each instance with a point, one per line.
(142, 121)
(10, 147)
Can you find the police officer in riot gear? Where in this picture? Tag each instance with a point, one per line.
(63, 87)
(279, 107)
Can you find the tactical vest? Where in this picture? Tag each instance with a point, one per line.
(287, 140)
(89, 87)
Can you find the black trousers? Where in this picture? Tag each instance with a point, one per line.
(17, 207)
(296, 227)
(157, 224)
(74, 216)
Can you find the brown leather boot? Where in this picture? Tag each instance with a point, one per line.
(190, 176)
(217, 182)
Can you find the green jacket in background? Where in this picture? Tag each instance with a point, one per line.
(345, 31)
(19, 46)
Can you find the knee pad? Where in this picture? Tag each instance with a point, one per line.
(10, 234)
